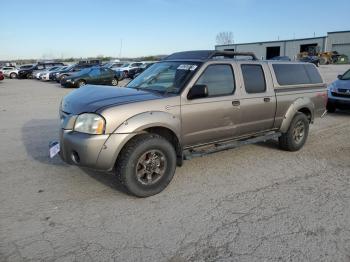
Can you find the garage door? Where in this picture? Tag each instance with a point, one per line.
(342, 49)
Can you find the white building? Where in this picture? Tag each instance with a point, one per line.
(334, 41)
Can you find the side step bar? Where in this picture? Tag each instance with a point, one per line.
(192, 153)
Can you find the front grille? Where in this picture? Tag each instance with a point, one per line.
(342, 90)
(341, 95)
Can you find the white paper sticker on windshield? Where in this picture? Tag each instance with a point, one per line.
(187, 67)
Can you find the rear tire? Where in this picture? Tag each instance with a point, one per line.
(296, 135)
(114, 82)
(125, 74)
(13, 75)
(146, 165)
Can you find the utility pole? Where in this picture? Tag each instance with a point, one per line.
(121, 46)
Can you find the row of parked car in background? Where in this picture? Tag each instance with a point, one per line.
(96, 73)
(78, 74)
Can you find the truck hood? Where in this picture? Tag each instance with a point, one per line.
(91, 98)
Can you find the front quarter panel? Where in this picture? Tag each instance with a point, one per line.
(149, 119)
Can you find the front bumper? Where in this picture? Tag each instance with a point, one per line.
(340, 103)
(68, 84)
(98, 152)
(341, 100)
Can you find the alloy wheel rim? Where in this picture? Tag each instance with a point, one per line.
(114, 82)
(150, 167)
(299, 132)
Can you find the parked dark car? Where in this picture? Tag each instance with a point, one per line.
(339, 93)
(72, 70)
(136, 71)
(52, 74)
(1, 76)
(281, 58)
(93, 76)
(310, 59)
(27, 72)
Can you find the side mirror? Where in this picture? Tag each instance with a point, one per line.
(198, 91)
(340, 77)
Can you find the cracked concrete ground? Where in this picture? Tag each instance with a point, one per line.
(255, 203)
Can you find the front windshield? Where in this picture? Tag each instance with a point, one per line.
(69, 67)
(346, 75)
(26, 66)
(108, 65)
(165, 77)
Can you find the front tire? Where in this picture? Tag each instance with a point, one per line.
(81, 83)
(296, 135)
(13, 75)
(146, 165)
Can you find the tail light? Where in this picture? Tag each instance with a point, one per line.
(324, 96)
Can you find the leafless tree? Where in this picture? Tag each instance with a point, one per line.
(224, 38)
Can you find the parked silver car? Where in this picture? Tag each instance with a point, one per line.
(190, 104)
(10, 71)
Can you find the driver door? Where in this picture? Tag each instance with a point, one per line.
(215, 117)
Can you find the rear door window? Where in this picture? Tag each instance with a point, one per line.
(219, 79)
(254, 78)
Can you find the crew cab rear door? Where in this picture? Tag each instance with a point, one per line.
(214, 117)
(258, 100)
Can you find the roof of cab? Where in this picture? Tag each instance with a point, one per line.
(204, 55)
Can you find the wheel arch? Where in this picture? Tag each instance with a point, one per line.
(161, 123)
(301, 105)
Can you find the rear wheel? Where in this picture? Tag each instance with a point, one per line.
(114, 82)
(296, 135)
(13, 75)
(323, 61)
(125, 74)
(146, 165)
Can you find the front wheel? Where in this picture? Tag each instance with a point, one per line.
(81, 83)
(13, 75)
(296, 135)
(146, 165)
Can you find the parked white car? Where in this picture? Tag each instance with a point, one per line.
(127, 66)
(45, 75)
(10, 71)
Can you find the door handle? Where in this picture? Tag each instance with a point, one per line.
(267, 99)
(236, 103)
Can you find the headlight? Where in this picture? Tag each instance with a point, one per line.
(332, 87)
(90, 124)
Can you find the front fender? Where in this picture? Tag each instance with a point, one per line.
(146, 120)
(298, 104)
(130, 128)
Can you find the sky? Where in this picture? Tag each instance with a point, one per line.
(44, 29)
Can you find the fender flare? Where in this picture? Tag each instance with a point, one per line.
(145, 120)
(294, 108)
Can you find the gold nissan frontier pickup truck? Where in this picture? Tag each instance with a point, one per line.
(189, 104)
